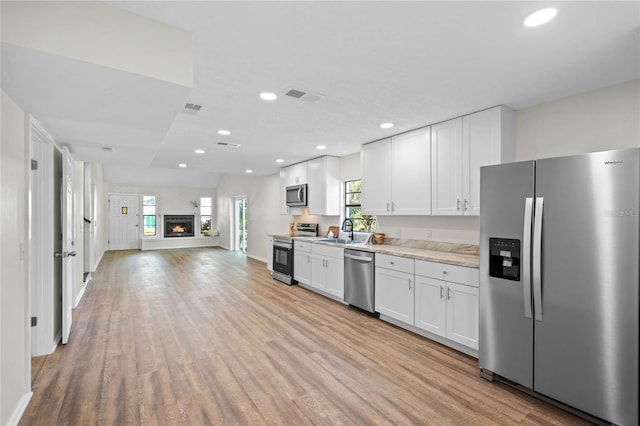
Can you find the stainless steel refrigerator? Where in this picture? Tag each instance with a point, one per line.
(559, 279)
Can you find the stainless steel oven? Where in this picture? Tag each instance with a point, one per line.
(283, 252)
(283, 260)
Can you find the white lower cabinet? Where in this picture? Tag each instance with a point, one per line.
(302, 262)
(445, 308)
(394, 289)
(327, 269)
(462, 314)
(431, 305)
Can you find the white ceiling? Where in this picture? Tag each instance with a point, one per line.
(411, 63)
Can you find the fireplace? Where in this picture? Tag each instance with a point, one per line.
(178, 225)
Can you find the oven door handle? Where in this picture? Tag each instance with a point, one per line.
(283, 245)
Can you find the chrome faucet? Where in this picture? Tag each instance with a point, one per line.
(347, 225)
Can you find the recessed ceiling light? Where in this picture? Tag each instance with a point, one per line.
(268, 96)
(386, 125)
(321, 147)
(199, 151)
(540, 17)
(182, 165)
(224, 132)
(249, 171)
(279, 160)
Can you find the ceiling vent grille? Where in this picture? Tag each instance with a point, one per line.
(191, 109)
(229, 145)
(303, 95)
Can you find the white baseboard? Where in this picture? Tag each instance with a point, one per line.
(95, 267)
(81, 293)
(174, 243)
(17, 414)
(56, 341)
(259, 259)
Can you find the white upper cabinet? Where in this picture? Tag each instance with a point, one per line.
(323, 197)
(459, 147)
(446, 167)
(376, 177)
(396, 175)
(411, 173)
(298, 174)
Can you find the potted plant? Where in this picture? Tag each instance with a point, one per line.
(292, 229)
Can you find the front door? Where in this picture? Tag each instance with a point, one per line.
(124, 222)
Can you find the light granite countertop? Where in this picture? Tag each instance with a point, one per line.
(467, 255)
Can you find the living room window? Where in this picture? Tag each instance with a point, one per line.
(206, 209)
(149, 215)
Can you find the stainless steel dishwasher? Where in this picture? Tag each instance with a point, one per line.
(359, 279)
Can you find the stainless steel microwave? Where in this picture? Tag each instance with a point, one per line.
(297, 195)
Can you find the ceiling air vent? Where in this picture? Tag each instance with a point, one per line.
(303, 95)
(230, 145)
(107, 148)
(191, 109)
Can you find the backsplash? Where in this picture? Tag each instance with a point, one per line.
(452, 229)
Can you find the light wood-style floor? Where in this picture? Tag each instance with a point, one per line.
(206, 336)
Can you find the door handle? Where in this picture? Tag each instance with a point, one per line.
(458, 204)
(441, 292)
(466, 205)
(526, 255)
(72, 253)
(361, 259)
(537, 253)
(409, 283)
(448, 293)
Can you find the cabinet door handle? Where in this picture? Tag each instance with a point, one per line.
(448, 294)
(466, 204)
(458, 204)
(409, 283)
(393, 207)
(441, 292)
(387, 206)
(444, 272)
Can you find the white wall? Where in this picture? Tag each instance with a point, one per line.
(263, 211)
(599, 120)
(168, 199)
(101, 219)
(15, 357)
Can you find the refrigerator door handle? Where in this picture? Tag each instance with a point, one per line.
(537, 254)
(526, 256)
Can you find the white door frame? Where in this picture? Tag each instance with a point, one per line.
(40, 145)
(68, 242)
(234, 222)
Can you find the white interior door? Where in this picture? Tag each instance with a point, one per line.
(124, 222)
(68, 243)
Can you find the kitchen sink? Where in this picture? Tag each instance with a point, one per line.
(338, 241)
